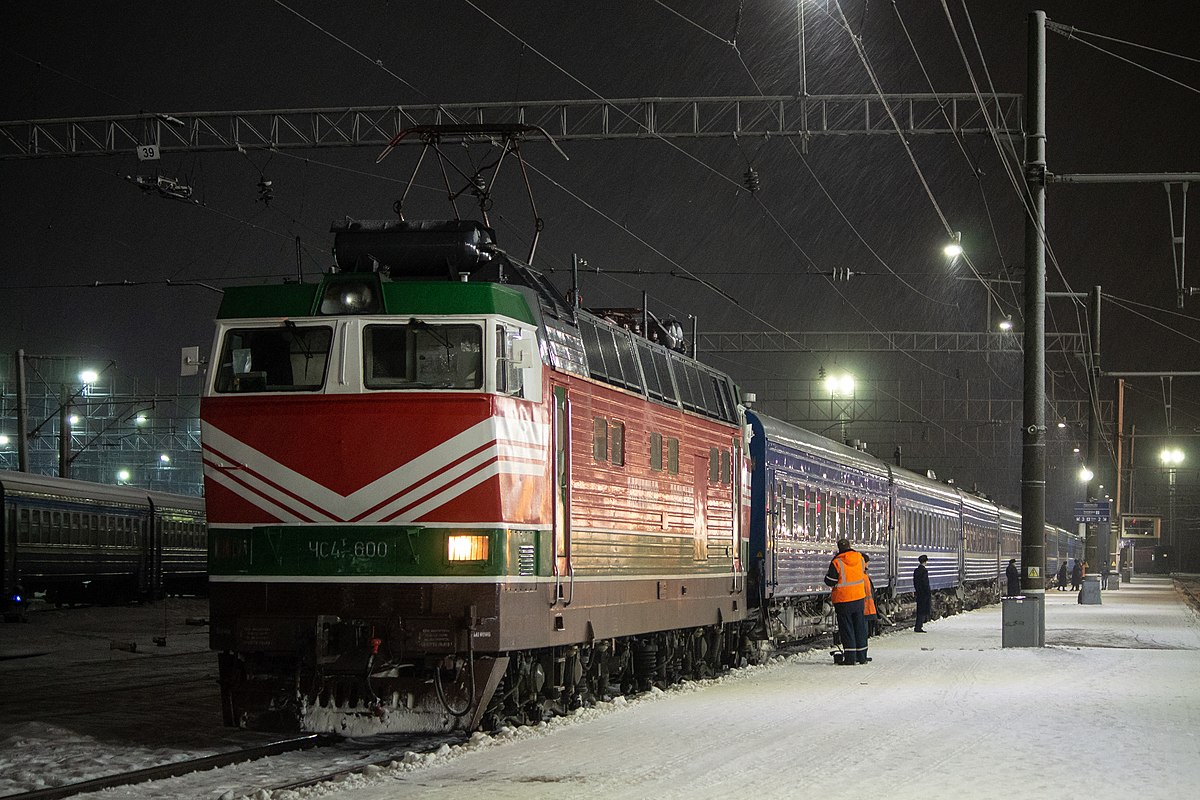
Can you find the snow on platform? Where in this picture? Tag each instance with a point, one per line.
(1109, 708)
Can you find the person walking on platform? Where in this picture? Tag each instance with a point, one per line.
(1061, 577)
(869, 611)
(924, 594)
(847, 579)
(1105, 571)
(1076, 575)
(1013, 575)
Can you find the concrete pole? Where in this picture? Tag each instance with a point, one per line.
(1033, 452)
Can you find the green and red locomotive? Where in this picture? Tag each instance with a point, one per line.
(439, 495)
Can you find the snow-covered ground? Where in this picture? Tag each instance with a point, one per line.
(1109, 708)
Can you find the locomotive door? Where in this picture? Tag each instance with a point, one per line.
(564, 575)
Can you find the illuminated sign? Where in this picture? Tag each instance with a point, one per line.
(1135, 527)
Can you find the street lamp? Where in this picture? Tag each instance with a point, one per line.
(954, 248)
(1006, 324)
(1085, 475)
(1171, 458)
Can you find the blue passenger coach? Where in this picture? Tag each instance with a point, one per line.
(808, 491)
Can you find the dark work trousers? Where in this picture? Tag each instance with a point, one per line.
(852, 629)
(922, 617)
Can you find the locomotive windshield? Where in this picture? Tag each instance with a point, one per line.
(274, 359)
(420, 355)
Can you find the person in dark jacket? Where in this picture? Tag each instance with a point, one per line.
(1105, 571)
(847, 581)
(1061, 577)
(1014, 578)
(1076, 575)
(924, 594)
(869, 610)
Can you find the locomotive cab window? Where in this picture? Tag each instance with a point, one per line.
(422, 355)
(287, 358)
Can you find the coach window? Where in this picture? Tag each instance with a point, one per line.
(287, 358)
(23, 526)
(714, 468)
(726, 468)
(789, 510)
(810, 512)
(673, 456)
(600, 438)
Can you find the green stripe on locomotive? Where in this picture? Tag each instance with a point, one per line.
(354, 551)
(402, 298)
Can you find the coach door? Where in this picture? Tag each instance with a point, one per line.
(564, 576)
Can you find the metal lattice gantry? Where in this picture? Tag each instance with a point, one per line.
(810, 116)
(882, 342)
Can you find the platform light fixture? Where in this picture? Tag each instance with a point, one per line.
(164, 459)
(1171, 456)
(1006, 324)
(840, 385)
(4, 440)
(89, 376)
(1086, 475)
(123, 476)
(954, 248)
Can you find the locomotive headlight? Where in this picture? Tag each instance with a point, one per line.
(354, 295)
(461, 547)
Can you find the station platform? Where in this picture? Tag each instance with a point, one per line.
(1109, 708)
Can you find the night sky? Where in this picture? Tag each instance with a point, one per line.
(855, 202)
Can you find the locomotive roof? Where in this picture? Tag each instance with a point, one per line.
(407, 298)
(29, 483)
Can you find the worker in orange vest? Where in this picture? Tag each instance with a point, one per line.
(848, 590)
(869, 611)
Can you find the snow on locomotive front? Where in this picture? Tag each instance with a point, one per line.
(387, 472)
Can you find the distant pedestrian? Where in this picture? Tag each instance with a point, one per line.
(1076, 575)
(1061, 577)
(1105, 571)
(924, 594)
(847, 579)
(869, 611)
(1013, 576)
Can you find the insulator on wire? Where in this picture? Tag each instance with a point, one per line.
(751, 180)
(265, 193)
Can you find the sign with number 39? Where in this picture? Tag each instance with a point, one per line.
(147, 152)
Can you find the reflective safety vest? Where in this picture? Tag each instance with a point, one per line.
(869, 600)
(852, 577)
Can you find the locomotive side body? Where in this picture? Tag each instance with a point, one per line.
(435, 501)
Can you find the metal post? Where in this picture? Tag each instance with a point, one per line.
(1114, 529)
(1090, 550)
(1033, 452)
(64, 435)
(22, 415)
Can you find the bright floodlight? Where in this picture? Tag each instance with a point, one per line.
(1085, 474)
(123, 475)
(1171, 456)
(3, 440)
(140, 419)
(89, 376)
(164, 458)
(954, 248)
(73, 419)
(840, 385)
(1062, 424)
(1006, 324)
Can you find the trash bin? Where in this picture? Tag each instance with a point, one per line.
(1114, 581)
(1127, 574)
(1024, 622)
(1089, 595)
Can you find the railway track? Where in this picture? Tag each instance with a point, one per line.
(177, 768)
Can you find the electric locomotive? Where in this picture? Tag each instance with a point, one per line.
(438, 493)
